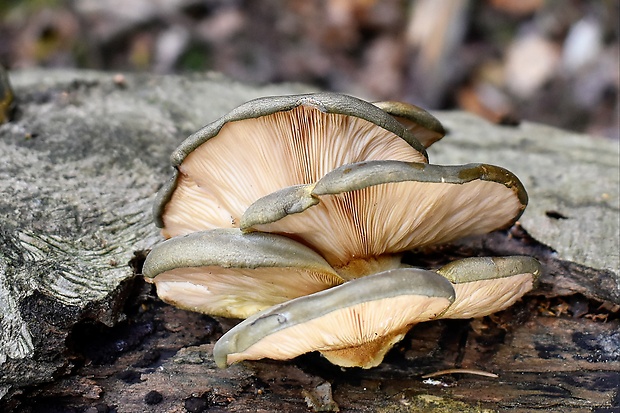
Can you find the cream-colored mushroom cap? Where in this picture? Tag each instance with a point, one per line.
(272, 143)
(485, 285)
(425, 127)
(223, 272)
(353, 324)
(373, 208)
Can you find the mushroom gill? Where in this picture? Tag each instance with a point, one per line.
(354, 324)
(223, 272)
(269, 144)
(485, 285)
(357, 323)
(370, 209)
(293, 212)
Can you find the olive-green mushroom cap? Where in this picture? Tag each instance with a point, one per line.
(485, 285)
(271, 143)
(425, 127)
(353, 324)
(224, 272)
(373, 208)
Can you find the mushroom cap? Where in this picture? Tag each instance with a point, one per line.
(383, 207)
(353, 324)
(268, 144)
(485, 285)
(224, 272)
(425, 127)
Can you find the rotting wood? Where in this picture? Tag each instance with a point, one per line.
(80, 165)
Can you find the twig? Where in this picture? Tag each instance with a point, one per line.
(463, 371)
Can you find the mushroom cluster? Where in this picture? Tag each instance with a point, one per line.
(293, 213)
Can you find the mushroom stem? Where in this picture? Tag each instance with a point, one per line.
(366, 355)
(361, 267)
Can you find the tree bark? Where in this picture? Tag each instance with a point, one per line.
(79, 167)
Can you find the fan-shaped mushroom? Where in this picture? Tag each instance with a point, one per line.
(271, 143)
(225, 273)
(293, 211)
(356, 323)
(485, 285)
(425, 127)
(366, 210)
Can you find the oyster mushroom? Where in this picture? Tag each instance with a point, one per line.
(357, 323)
(425, 127)
(223, 272)
(271, 143)
(226, 273)
(359, 213)
(293, 211)
(485, 285)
